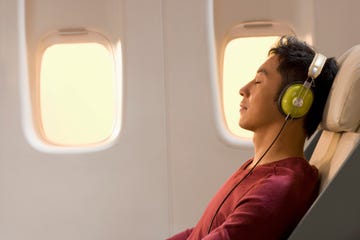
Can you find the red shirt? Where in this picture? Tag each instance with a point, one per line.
(267, 204)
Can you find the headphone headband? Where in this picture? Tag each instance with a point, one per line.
(316, 65)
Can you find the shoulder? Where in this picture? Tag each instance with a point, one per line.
(286, 178)
(295, 169)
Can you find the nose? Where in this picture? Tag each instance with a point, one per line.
(244, 91)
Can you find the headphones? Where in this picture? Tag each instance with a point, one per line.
(296, 98)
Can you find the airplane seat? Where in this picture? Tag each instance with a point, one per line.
(335, 213)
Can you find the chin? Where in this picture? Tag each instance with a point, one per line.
(245, 125)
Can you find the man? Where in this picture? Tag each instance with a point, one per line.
(268, 195)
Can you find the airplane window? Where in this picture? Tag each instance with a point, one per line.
(77, 94)
(242, 57)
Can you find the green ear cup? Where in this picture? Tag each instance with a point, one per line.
(296, 100)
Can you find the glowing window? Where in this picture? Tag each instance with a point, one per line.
(77, 94)
(242, 58)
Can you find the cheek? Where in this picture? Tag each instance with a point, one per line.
(269, 105)
(265, 99)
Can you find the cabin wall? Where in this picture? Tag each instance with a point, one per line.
(108, 194)
(336, 26)
(194, 145)
(170, 157)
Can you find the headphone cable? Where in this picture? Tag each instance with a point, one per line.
(251, 170)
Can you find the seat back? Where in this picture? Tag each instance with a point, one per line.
(335, 213)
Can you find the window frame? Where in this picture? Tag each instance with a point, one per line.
(73, 36)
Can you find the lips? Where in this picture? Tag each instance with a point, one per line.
(243, 107)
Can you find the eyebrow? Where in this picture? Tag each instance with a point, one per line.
(262, 70)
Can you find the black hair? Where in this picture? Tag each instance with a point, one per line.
(295, 57)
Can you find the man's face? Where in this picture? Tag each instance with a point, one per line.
(258, 109)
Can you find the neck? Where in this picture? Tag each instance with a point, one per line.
(289, 143)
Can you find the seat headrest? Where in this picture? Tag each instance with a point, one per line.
(342, 112)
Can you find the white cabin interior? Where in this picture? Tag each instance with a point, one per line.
(169, 149)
